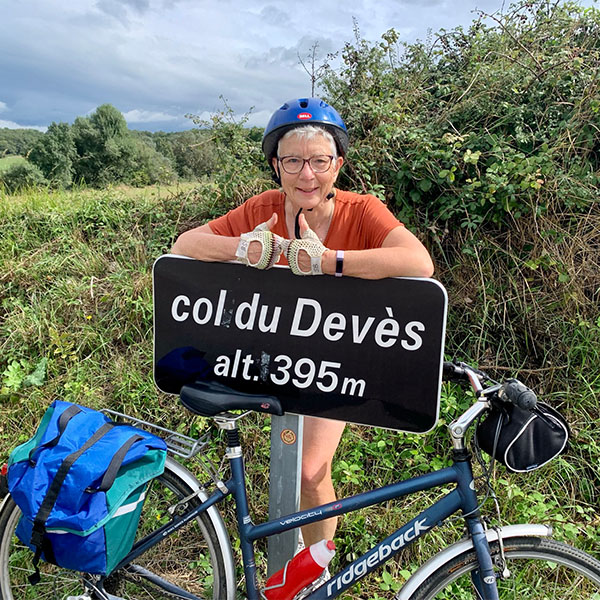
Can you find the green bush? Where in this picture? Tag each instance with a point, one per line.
(477, 128)
(21, 176)
(239, 169)
(147, 166)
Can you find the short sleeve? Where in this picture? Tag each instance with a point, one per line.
(248, 215)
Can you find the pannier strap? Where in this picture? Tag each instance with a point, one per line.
(62, 425)
(115, 465)
(38, 530)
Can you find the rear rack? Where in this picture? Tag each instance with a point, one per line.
(177, 443)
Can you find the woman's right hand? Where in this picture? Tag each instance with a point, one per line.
(261, 248)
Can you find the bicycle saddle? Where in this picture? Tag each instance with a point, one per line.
(209, 398)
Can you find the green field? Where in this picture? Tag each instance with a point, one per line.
(76, 323)
(8, 161)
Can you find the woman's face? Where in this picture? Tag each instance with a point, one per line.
(307, 189)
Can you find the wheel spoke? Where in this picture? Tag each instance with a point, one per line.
(539, 568)
(190, 558)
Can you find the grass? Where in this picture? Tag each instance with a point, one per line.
(76, 323)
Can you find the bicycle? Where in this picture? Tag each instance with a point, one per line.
(181, 524)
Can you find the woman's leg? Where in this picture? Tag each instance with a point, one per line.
(320, 441)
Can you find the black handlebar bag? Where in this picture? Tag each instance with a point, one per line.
(523, 440)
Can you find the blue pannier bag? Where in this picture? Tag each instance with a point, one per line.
(80, 483)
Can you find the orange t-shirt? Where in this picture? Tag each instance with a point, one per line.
(360, 221)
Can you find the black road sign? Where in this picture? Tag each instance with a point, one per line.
(363, 351)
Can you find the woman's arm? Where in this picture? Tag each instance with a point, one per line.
(400, 255)
(203, 244)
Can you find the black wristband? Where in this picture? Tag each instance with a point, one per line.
(339, 263)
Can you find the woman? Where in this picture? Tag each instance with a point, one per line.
(315, 229)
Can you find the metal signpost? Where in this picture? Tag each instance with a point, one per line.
(367, 352)
(284, 485)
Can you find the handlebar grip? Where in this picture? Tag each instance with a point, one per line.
(519, 394)
(453, 372)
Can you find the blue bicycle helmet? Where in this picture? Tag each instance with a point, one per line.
(304, 111)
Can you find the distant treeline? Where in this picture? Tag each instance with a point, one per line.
(18, 142)
(100, 150)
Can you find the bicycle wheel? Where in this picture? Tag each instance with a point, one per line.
(191, 558)
(540, 568)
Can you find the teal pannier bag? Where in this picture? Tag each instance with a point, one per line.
(80, 483)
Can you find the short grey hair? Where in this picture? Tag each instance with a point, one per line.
(308, 132)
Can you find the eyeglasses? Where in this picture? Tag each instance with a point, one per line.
(292, 165)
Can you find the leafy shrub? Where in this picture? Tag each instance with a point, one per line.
(480, 127)
(239, 169)
(192, 152)
(147, 166)
(21, 176)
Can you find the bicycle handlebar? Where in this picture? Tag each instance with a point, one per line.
(459, 371)
(512, 390)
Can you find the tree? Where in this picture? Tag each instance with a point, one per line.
(107, 152)
(104, 153)
(109, 122)
(54, 154)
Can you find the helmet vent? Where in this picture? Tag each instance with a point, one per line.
(303, 103)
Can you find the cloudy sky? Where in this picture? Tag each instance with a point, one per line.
(158, 60)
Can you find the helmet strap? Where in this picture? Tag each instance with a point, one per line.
(297, 220)
(297, 225)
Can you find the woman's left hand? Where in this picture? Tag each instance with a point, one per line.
(304, 255)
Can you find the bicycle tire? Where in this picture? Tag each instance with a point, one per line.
(191, 558)
(540, 568)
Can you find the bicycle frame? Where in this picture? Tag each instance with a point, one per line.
(462, 498)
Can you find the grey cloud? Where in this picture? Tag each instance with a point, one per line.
(325, 46)
(274, 16)
(274, 56)
(119, 7)
(140, 6)
(288, 56)
(163, 58)
(123, 10)
(113, 9)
